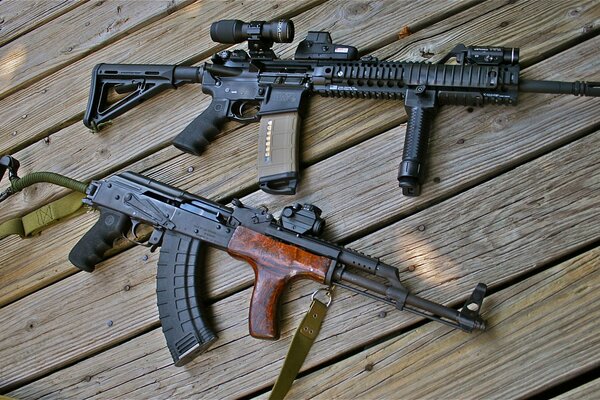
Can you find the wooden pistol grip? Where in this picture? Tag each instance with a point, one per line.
(275, 264)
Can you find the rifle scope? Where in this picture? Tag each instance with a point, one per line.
(231, 31)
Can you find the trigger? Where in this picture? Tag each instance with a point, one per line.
(134, 226)
(135, 239)
(245, 111)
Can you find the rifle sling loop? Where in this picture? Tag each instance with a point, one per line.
(46, 215)
(301, 343)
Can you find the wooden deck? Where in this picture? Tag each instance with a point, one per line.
(512, 199)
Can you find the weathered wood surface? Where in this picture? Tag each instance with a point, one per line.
(18, 17)
(496, 204)
(97, 23)
(541, 330)
(59, 99)
(230, 163)
(111, 149)
(532, 225)
(222, 175)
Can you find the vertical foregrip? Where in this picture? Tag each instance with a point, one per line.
(179, 300)
(275, 264)
(411, 169)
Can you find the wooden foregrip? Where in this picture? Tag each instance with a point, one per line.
(275, 264)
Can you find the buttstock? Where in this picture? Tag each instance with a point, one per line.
(140, 81)
(275, 264)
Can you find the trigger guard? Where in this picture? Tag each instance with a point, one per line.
(135, 240)
(236, 112)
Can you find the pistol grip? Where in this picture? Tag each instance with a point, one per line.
(90, 249)
(278, 148)
(275, 264)
(203, 129)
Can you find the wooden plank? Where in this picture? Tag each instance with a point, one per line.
(542, 331)
(481, 154)
(59, 99)
(590, 390)
(45, 256)
(22, 276)
(110, 150)
(74, 35)
(506, 27)
(18, 17)
(480, 235)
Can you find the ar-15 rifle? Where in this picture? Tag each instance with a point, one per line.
(236, 80)
(279, 251)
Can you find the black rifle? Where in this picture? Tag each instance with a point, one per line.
(279, 251)
(237, 80)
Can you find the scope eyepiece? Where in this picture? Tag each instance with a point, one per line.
(231, 31)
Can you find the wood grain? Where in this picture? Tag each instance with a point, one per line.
(275, 265)
(58, 100)
(73, 35)
(463, 151)
(109, 150)
(481, 235)
(149, 133)
(19, 17)
(541, 331)
(509, 191)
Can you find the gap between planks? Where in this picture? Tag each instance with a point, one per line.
(531, 225)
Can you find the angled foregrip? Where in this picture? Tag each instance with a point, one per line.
(275, 264)
(411, 169)
(179, 300)
(198, 134)
(90, 249)
(278, 153)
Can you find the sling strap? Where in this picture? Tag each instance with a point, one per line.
(43, 217)
(301, 343)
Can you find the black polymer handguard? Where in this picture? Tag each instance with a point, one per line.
(203, 129)
(178, 299)
(90, 249)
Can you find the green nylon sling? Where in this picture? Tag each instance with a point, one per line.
(43, 217)
(301, 343)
